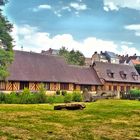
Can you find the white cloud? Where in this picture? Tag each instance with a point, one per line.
(33, 40)
(41, 7)
(110, 6)
(73, 7)
(129, 50)
(58, 13)
(135, 28)
(44, 6)
(78, 6)
(66, 8)
(116, 4)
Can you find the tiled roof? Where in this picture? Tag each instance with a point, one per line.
(136, 62)
(101, 69)
(47, 68)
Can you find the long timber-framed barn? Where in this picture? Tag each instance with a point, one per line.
(30, 69)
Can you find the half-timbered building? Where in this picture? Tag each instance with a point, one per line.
(31, 69)
(117, 77)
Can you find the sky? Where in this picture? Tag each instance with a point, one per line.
(84, 25)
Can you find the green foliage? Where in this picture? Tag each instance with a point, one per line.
(138, 68)
(26, 91)
(2, 97)
(77, 96)
(135, 93)
(6, 53)
(27, 97)
(50, 99)
(72, 57)
(2, 2)
(58, 92)
(68, 98)
(59, 99)
(63, 92)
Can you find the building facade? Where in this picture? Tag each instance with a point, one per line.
(31, 69)
(117, 77)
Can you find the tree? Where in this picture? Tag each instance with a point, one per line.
(72, 57)
(6, 52)
(138, 68)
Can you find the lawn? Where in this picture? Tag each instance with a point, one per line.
(101, 120)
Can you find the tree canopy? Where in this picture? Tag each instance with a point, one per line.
(6, 53)
(72, 57)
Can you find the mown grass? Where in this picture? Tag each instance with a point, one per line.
(101, 120)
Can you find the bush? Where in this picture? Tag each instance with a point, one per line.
(64, 92)
(12, 98)
(40, 97)
(68, 98)
(135, 93)
(2, 97)
(42, 90)
(26, 91)
(50, 99)
(59, 99)
(77, 97)
(58, 92)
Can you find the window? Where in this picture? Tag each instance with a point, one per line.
(123, 74)
(24, 85)
(134, 75)
(47, 86)
(64, 86)
(110, 88)
(114, 88)
(122, 88)
(110, 73)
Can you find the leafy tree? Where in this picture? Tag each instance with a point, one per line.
(138, 68)
(72, 57)
(2, 2)
(6, 53)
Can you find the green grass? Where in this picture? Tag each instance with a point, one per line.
(101, 120)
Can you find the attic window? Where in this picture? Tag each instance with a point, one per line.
(123, 74)
(110, 73)
(134, 75)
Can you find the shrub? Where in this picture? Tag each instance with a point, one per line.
(50, 99)
(58, 92)
(135, 93)
(68, 98)
(2, 97)
(64, 92)
(59, 99)
(77, 97)
(12, 98)
(40, 97)
(26, 91)
(42, 90)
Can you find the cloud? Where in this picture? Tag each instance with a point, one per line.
(42, 7)
(110, 5)
(33, 40)
(72, 7)
(135, 28)
(78, 6)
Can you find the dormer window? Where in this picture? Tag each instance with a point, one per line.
(123, 74)
(110, 73)
(134, 75)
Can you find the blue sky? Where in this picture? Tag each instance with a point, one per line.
(85, 25)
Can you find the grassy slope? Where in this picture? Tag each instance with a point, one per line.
(105, 119)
